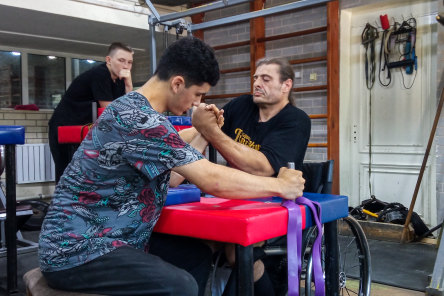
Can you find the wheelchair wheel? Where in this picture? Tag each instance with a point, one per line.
(354, 260)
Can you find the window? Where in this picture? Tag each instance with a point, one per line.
(46, 80)
(78, 66)
(10, 79)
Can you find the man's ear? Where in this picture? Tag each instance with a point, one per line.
(177, 82)
(108, 59)
(287, 85)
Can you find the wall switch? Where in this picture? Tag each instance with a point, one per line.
(313, 76)
(297, 74)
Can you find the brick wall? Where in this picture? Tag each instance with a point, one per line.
(35, 123)
(291, 48)
(36, 131)
(302, 47)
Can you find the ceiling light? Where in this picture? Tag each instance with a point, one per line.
(51, 57)
(91, 61)
(15, 53)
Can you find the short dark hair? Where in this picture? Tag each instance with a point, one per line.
(191, 58)
(285, 69)
(119, 45)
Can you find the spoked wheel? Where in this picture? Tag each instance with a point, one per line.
(354, 260)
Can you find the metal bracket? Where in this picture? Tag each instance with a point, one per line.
(153, 10)
(436, 287)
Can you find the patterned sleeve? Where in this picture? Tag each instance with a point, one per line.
(145, 139)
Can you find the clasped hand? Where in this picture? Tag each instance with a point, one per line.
(206, 117)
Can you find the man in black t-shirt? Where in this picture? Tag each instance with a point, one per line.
(262, 132)
(101, 84)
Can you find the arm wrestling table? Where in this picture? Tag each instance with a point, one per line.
(245, 222)
(242, 222)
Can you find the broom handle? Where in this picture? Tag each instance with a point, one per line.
(421, 172)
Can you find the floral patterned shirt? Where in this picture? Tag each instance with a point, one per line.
(113, 191)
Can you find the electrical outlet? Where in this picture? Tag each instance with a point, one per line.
(297, 74)
(313, 76)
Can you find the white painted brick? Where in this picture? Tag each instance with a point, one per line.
(25, 122)
(36, 141)
(14, 115)
(37, 129)
(7, 122)
(41, 123)
(36, 116)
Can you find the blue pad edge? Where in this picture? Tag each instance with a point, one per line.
(12, 134)
(184, 193)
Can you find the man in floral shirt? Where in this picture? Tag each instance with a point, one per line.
(97, 236)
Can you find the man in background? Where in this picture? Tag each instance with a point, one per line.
(101, 84)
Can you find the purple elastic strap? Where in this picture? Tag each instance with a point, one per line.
(318, 274)
(294, 246)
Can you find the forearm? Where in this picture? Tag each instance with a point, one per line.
(128, 80)
(188, 134)
(103, 104)
(227, 182)
(240, 156)
(199, 143)
(128, 87)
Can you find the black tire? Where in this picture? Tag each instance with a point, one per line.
(39, 209)
(354, 259)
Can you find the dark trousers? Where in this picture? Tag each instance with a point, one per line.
(173, 266)
(61, 153)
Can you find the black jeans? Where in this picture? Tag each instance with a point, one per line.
(173, 266)
(61, 153)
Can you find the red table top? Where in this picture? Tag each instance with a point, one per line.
(242, 222)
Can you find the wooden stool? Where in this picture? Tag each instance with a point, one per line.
(36, 286)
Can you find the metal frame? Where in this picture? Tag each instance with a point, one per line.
(156, 19)
(244, 256)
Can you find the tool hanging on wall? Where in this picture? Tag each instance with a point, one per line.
(384, 51)
(403, 37)
(368, 37)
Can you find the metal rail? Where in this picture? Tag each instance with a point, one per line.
(156, 19)
(255, 14)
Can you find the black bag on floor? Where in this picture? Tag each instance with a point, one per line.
(390, 213)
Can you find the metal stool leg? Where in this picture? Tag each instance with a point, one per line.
(331, 258)
(11, 220)
(244, 269)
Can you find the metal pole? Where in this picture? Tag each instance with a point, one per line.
(255, 14)
(200, 9)
(331, 258)
(153, 9)
(11, 220)
(153, 45)
(405, 230)
(244, 270)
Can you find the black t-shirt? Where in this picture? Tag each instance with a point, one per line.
(281, 139)
(96, 84)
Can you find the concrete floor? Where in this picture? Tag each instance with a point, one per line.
(28, 260)
(383, 290)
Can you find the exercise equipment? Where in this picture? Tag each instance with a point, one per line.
(10, 136)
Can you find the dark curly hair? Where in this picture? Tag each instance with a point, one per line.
(191, 58)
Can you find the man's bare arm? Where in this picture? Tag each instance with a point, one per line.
(238, 155)
(227, 182)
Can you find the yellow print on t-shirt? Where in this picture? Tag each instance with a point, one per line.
(245, 139)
